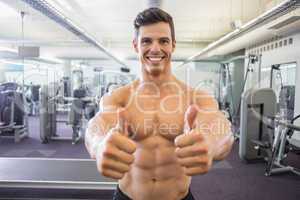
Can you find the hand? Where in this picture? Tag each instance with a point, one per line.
(194, 151)
(115, 153)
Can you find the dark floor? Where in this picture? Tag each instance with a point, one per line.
(33, 147)
(231, 179)
(245, 181)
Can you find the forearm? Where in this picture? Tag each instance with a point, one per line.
(92, 142)
(217, 130)
(95, 133)
(222, 145)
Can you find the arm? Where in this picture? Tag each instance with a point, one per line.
(207, 136)
(217, 132)
(213, 123)
(101, 123)
(107, 138)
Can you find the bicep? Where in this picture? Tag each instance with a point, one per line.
(205, 101)
(209, 113)
(100, 124)
(106, 117)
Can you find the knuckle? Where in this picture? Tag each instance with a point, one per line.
(189, 174)
(100, 168)
(179, 161)
(110, 138)
(114, 135)
(127, 168)
(131, 159)
(199, 160)
(107, 152)
(205, 169)
(121, 175)
(205, 162)
(103, 165)
(204, 148)
(177, 151)
(200, 170)
(133, 148)
(105, 173)
(200, 149)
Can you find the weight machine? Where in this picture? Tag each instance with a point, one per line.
(264, 131)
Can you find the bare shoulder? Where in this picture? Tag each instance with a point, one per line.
(204, 99)
(117, 98)
(183, 86)
(201, 98)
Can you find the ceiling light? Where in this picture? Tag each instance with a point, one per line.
(120, 55)
(8, 49)
(65, 4)
(7, 11)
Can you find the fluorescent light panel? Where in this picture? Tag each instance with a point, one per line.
(7, 11)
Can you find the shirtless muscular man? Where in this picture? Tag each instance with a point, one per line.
(154, 134)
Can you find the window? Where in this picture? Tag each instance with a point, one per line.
(286, 76)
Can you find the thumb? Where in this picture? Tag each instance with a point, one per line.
(189, 118)
(122, 123)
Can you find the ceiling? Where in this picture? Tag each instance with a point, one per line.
(197, 24)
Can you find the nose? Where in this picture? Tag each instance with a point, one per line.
(155, 47)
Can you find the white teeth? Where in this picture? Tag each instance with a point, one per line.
(155, 59)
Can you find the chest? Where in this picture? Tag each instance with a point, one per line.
(163, 116)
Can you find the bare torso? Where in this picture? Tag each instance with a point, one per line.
(146, 161)
(155, 119)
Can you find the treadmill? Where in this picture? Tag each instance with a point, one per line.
(47, 178)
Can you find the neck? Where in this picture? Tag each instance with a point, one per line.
(162, 84)
(158, 79)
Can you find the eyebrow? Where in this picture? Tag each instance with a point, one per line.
(164, 38)
(146, 38)
(161, 38)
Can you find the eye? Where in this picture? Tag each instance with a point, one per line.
(164, 41)
(146, 41)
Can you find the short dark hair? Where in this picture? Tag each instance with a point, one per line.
(152, 16)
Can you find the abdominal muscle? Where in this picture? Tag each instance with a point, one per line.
(155, 173)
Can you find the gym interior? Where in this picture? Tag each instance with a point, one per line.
(59, 57)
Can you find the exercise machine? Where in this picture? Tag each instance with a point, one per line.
(32, 99)
(235, 111)
(264, 132)
(13, 120)
(80, 108)
(258, 106)
(225, 91)
(280, 147)
(107, 80)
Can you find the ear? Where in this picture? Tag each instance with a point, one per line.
(135, 45)
(173, 45)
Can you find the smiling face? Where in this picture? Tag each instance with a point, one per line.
(154, 46)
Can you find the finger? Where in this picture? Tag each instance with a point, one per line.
(124, 143)
(191, 171)
(193, 161)
(189, 118)
(115, 165)
(188, 139)
(122, 123)
(191, 150)
(119, 155)
(112, 174)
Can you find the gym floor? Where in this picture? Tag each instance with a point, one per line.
(231, 179)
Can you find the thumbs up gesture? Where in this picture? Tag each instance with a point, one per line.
(115, 154)
(194, 151)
